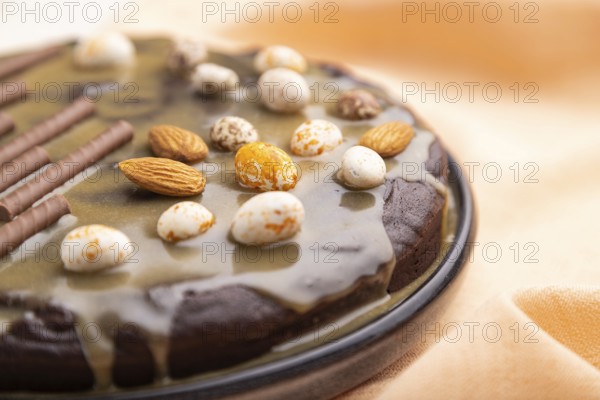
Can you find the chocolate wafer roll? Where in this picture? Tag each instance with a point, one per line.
(22, 166)
(23, 197)
(31, 222)
(23, 61)
(47, 129)
(6, 123)
(12, 91)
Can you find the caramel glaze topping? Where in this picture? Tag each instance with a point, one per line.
(342, 239)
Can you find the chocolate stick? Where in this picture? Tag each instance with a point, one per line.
(31, 222)
(22, 166)
(12, 91)
(6, 123)
(23, 197)
(23, 61)
(47, 129)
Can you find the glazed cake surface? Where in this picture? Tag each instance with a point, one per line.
(175, 310)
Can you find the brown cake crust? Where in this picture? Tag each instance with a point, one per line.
(42, 352)
(216, 329)
(412, 215)
(133, 364)
(222, 328)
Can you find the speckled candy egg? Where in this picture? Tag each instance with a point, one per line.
(184, 220)
(362, 168)
(358, 104)
(93, 248)
(283, 90)
(104, 50)
(315, 137)
(185, 54)
(265, 167)
(211, 79)
(277, 57)
(268, 218)
(231, 133)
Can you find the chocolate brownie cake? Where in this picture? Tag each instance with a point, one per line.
(166, 308)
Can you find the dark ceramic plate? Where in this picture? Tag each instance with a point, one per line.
(335, 367)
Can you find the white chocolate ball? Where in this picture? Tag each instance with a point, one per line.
(279, 56)
(231, 133)
(93, 248)
(184, 220)
(362, 168)
(104, 50)
(315, 137)
(284, 90)
(211, 79)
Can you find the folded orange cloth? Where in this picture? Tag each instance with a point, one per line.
(539, 343)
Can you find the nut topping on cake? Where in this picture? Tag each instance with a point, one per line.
(231, 133)
(268, 218)
(388, 139)
(279, 56)
(283, 90)
(315, 137)
(358, 104)
(104, 50)
(164, 176)
(93, 248)
(177, 144)
(183, 221)
(362, 168)
(265, 167)
(211, 79)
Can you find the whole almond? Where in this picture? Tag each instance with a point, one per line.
(177, 144)
(164, 176)
(388, 139)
